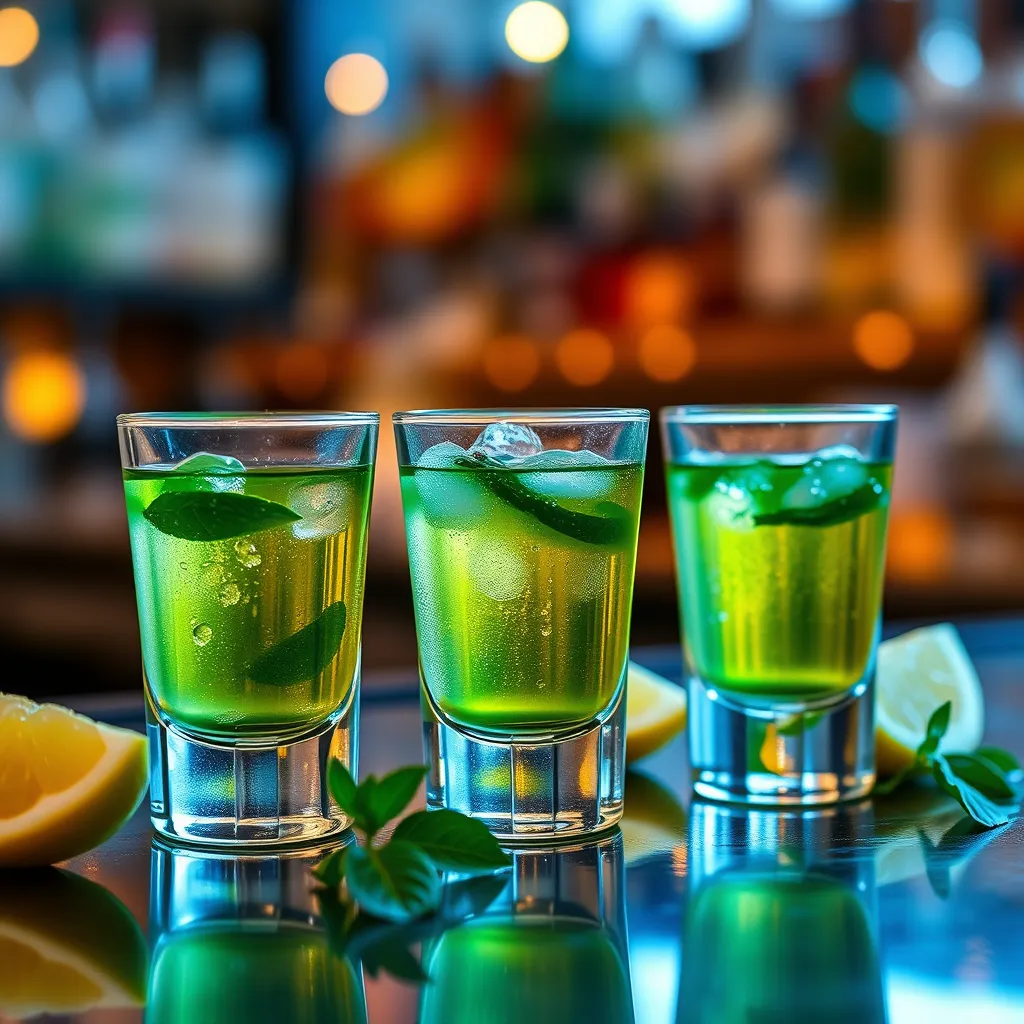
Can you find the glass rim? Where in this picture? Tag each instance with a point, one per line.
(474, 417)
(241, 420)
(739, 415)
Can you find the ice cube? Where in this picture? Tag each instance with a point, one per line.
(507, 441)
(451, 501)
(731, 505)
(326, 509)
(577, 483)
(495, 567)
(832, 473)
(214, 472)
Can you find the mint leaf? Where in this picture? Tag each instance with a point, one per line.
(331, 870)
(380, 800)
(1001, 759)
(983, 810)
(897, 780)
(453, 841)
(396, 882)
(215, 515)
(343, 787)
(985, 778)
(937, 726)
(614, 526)
(305, 654)
(958, 845)
(392, 955)
(829, 513)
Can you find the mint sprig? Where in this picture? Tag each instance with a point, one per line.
(986, 783)
(215, 515)
(399, 880)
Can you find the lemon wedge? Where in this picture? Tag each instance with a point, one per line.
(655, 712)
(66, 783)
(917, 672)
(66, 946)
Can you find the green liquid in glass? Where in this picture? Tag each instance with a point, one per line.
(780, 570)
(522, 626)
(775, 950)
(210, 610)
(526, 969)
(219, 975)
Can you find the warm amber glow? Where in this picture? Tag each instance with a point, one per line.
(584, 357)
(920, 544)
(302, 371)
(659, 290)
(883, 340)
(511, 363)
(356, 84)
(43, 394)
(19, 34)
(667, 353)
(537, 31)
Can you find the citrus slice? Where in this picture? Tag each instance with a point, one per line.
(655, 712)
(66, 946)
(917, 672)
(66, 783)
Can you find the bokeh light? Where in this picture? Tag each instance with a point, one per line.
(706, 24)
(511, 362)
(921, 544)
(301, 371)
(19, 35)
(658, 289)
(356, 84)
(950, 51)
(584, 357)
(667, 353)
(883, 340)
(43, 395)
(537, 31)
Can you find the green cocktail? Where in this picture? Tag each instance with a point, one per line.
(249, 586)
(518, 969)
(776, 948)
(522, 578)
(780, 565)
(253, 973)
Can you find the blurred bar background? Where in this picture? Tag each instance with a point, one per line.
(230, 204)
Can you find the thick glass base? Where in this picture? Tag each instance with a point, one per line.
(535, 789)
(793, 757)
(237, 798)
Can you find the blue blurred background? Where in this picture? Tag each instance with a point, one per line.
(227, 204)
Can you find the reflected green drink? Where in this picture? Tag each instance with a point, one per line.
(780, 566)
(249, 586)
(526, 970)
(522, 579)
(253, 973)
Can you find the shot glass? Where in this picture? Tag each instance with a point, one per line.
(243, 939)
(248, 536)
(551, 948)
(778, 925)
(522, 530)
(779, 520)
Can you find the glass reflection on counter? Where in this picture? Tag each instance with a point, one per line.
(67, 946)
(550, 949)
(240, 939)
(776, 930)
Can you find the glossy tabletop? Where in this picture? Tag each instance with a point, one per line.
(881, 911)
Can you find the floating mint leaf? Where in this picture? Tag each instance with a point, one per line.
(453, 841)
(215, 515)
(305, 654)
(613, 526)
(983, 810)
(829, 513)
(396, 882)
(380, 800)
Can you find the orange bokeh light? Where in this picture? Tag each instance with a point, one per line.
(19, 36)
(301, 371)
(511, 362)
(920, 544)
(43, 395)
(659, 288)
(356, 84)
(667, 353)
(584, 357)
(883, 340)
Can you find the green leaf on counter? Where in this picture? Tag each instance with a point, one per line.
(453, 841)
(215, 515)
(397, 882)
(305, 654)
(988, 779)
(983, 810)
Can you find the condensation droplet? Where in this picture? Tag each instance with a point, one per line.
(229, 594)
(246, 553)
(183, 565)
(202, 634)
(255, 611)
